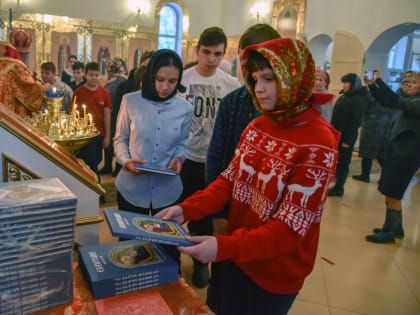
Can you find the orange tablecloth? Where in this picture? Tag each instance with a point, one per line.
(173, 298)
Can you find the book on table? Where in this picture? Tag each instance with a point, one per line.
(130, 225)
(127, 266)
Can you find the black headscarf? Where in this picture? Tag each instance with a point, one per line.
(161, 58)
(353, 79)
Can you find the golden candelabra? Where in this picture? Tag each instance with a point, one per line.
(69, 130)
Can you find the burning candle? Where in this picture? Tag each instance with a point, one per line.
(84, 113)
(74, 114)
(90, 119)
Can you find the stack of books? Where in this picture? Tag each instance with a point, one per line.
(37, 220)
(127, 266)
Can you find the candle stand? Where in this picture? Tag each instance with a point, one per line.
(69, 130)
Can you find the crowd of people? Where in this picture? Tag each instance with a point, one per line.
(254, 162)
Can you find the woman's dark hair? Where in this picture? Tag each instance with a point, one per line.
(161, 58)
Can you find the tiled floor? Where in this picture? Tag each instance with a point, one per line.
(352, 276)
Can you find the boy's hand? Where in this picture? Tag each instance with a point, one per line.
(205, 251)
(172, 213)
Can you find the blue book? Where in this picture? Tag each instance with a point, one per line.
(36, 284)
(155, 169)
(147, 228)
(118, 268)
(35, 196)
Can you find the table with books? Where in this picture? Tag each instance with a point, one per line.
(41, 272)
(172, 298)
(135, 276)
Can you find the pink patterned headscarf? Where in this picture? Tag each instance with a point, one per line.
(294, 68)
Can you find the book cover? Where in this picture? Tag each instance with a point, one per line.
(151, 303)
(155, 169)
(132, 225)
(35, 195)
(117, 268)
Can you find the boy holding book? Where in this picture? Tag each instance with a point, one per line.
(276, 185)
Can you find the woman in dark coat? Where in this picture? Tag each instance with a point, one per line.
(372, 138)
(402, 154)
(347, 118)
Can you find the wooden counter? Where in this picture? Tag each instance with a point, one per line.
(174, 298)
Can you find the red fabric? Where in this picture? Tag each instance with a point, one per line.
(8, 50)
(277, 184)
(19, 91)
(322, 98)
(95, 102)
(294, 68)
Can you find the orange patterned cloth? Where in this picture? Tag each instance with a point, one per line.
(19, 91)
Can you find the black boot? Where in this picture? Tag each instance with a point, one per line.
(200, 276)
(389, 230)
(366, 168)
(399, 232)
(340, 180)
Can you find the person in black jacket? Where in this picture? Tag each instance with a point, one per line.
(402, 153)
(347, 118)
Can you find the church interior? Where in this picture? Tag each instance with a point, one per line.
(350, 276)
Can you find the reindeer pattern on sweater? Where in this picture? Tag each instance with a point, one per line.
(282, 178)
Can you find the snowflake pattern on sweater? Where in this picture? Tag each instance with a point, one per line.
(282, 178)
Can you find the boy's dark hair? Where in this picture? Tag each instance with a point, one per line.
(72, 57)
(212, 36)
(94, 66)
(254, 63)
(78, 65)
(49, 66)
(256, 34)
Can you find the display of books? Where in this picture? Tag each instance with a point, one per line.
(130, 225)
(117, 268)
(155, 169)
(37, 221)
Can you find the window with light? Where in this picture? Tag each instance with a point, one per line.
(170, 27)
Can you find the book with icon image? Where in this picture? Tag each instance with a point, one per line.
(130, 225)
(127, 266)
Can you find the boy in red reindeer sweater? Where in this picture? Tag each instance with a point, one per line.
(276, 185)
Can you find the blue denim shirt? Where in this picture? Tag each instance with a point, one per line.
(155, 132)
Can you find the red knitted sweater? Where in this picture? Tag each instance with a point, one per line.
(276, 184)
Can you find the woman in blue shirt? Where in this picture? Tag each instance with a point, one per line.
(152, 127)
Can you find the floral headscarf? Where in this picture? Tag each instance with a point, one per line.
(294, 68)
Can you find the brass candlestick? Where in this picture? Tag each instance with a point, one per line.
(69, 130)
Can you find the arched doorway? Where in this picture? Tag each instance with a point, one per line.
(395, 51)
(321, 49)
